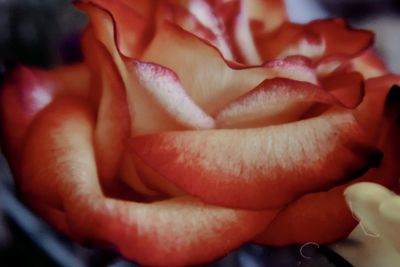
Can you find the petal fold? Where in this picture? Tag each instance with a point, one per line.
(243, 168)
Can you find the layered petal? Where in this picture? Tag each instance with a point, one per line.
(208, 79)
(244, 167)
(26, 92)
(279, 100)
(178, 232)
(257, 9)
(132, 19)
(163, 85)
(300, 222)
(113, 120)
(369, 64)
(153, 91)
(244, 38)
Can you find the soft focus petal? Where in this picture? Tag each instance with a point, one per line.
(163, 85)
(42, 161)
(26, 92)
(112, 120)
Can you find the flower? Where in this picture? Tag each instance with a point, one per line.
(195, 126)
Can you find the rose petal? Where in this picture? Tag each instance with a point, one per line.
(40, 157)
(164, 86)
(113, 119)
(205, 14)
(294, 67)
(289, 39)
(347, 87)
(53, 216)
(152, 234)
(316, 39)
(209, 81)
(257, 10)
(300, 223)
(352, 41)
(274, 101)
(155, 181)
(377, 103)
(369, 64)
(150, 110)
(187, 21)
(126, 14)
(130, 176)
(27, 92)
(156, 235)
(244, 167)
(244, 38)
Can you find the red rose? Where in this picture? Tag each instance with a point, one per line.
(195, 126)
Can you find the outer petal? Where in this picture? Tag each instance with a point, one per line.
(177, 232)
(369, 64)
(316, 216)
(152, 92)
(40, 157)
(244, 168)
(27, 92)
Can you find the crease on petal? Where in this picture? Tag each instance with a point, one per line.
(165, 87)
(132, 19)
(112, 119)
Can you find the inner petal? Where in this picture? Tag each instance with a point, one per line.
(208, 79)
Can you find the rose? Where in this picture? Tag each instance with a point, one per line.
(195, 126)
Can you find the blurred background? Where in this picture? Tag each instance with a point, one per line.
(45, 33)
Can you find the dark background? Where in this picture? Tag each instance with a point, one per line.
(45, 33)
